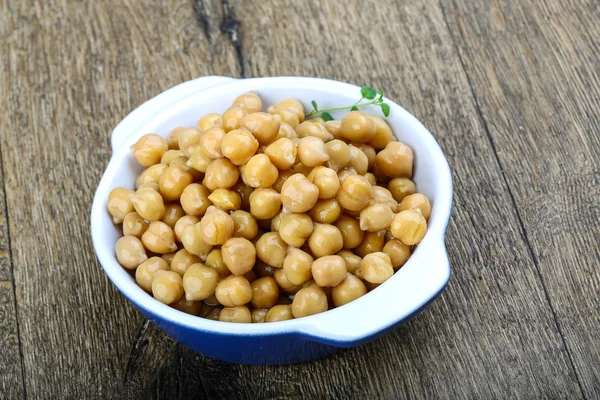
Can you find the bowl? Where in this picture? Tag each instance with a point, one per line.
(400, 298)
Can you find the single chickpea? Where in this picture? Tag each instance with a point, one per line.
(357, 127)
(265, 203)
(259, 315)
(396, 160)
(194, 199)
(240, 314)
(167, 287)
(349, 290)
(183, 223)
(326, 180)
(238, 146)
(244, 191)
(239, 255)
(159, 238)
(198, 160)
(352, 260)
(286, 131)
(233, 291)
(182, 260)
(188, 140)
(119, 204)
(325, 240)
(221, 173)
(259, 172)
(144, 273)
(192, 241)
(297, 266)
(383, 196)
(351, 232)
(279, 313)
(333, 127)
(265, 292)
(216, 226)
(225, 199)
(375, 218)
(149, 149)
(298, 194)
(173, 137)
(329, 270)
(134, 225)
(372, 242)
(282, 153)
(312, 151)
(173, 212)
(173, 181)
(232, 117)
(209, 120)
(398, 252)
(375, 268)
(191, 307)
(368, 151)
(326, 211)
(300, 168)
(170, 155)
(358, 160)
(215, 261)
(313, 129)
(271, 249)
(383, 133)
(414, 201)
(251, 102)
(401, 187)
(150, 175)
(294, 229)
(409, 226)
(339, 154)
(309, 301)
(355, 193)
(264, 126)
(210, 142)
(199, 282)
(244, 224)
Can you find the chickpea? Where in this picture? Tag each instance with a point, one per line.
(276, 221)
(233, 291)
(173, 181)
(291, 104)
(194, 199)
(279, 313)
(358, 160)
(414, 201)
(368, 151)
(297, 266)
(294, 229)
(134, 225)
(371, 243)
(352, 260)
(346, 172)
(333, 127)
(168, 257)
(191, 307)
(251, 102)
(225, 199)
(221, 173)
(170, 155)
(214, 313)
(312, 151)
(239, 255)
(173, 212)
(182, 261)
(283, 282)
(298, 194)
(215, 261)
(173, 137)
(309, 301)
(238, 146)
(244, 191)
(300, 168)
(232, 117)
(401, 187)
(264, 126)
(286, 114)
(265, 203)
(383, 196)
(286, 131)
(282, 153)
(167, 286)
(371, 178)
(216, 226)
(240, 314)
(355, 193)
(351, 231)
(183, 223)
(150, 175)
(349, 290)
(263, 269)
(339, 154)
(199, 282)
(325, 240)
(259, 315)
(329, 270)
(326, 211)
(119, 204)
(271, 249)
(244, 224)
(188, 140)
(265, 292)
(149, 149)
(198, 160)
(209, 120)
(313, 129)
(326, 180)
(193, 242)
(375, 268)
(144, 273)
(376, 217)
(383, 133)
(159, 238)
(396, 160)
(409, 226)
(357, 127)
(398, 252)
(212, 301)
(210, 142)
(259, 172)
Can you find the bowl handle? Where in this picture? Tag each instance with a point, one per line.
(132, 122)
(369, 322)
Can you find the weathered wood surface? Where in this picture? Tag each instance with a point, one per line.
(510, 90)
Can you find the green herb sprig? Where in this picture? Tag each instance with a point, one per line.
(367, 93)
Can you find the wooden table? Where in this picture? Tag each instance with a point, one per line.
(510, 89)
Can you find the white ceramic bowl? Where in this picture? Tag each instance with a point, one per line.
(409, 290)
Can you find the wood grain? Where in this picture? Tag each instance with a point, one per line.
(535, 70)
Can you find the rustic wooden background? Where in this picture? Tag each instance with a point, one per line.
(511, 90)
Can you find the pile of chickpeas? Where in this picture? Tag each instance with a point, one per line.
(255, 216)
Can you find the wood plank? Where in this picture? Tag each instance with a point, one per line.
(535, 70)
(492, 333)
(71, 72)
